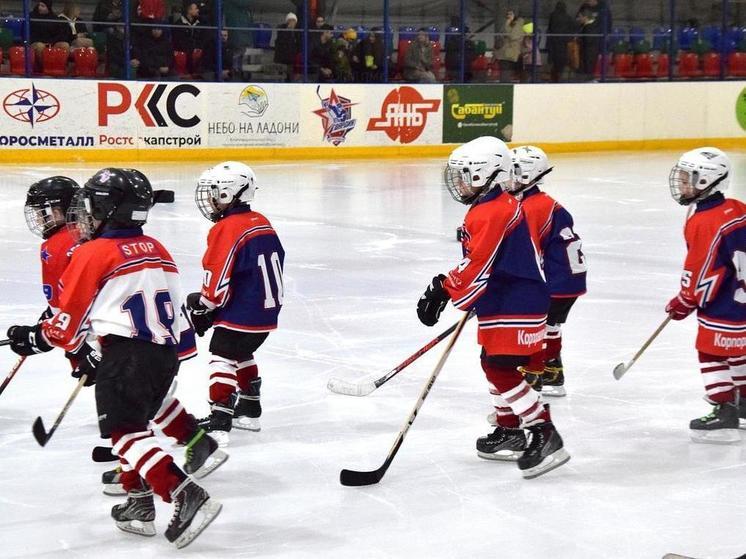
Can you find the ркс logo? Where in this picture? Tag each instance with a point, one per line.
(253, 101)
(404, 114)
(31, 105)
(336, 116)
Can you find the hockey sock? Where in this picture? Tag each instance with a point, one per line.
(505, 416)
(174, 421)
(738, 374)
(141, 451)
(130, 479)
(223, 379)
(553, 341)
(716, 375)
(247, 371)
(523, 400)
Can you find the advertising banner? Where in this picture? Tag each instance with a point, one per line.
(470, 111)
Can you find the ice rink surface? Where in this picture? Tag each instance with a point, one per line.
(363, 239)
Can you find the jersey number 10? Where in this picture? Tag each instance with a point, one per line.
(271, 298)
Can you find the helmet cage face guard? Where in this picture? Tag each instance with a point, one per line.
(40, 219)
(682, 182)
(206, 196)
(459, 181)
(80, 220)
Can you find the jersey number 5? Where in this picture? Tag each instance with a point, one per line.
(271, 297)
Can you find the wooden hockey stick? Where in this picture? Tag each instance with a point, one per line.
(40, 434)
(622, 368)
(355, 478)
(12, 373)
(341, 386)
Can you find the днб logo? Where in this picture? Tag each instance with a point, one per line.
(253, 101)
(336, 115)
(404, 114)
(31, 105)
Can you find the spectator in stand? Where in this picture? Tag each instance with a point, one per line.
(559, 34)
(209, 61)
(314, 32)
(418, 61)
(601, 12)
(322, 57)
(115, 61)
(237, 14)
(343, 56)
(287, 45)
(590, 43)
(106, 13)
(70, 34)
(43, 27)
(508, 46)
(153, 56)
(530, 57)
(206, 12)
(370, 54)
(453, 52)
(188, 35)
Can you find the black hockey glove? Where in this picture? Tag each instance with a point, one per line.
(46, 315)
(432, 302)
(27, 340)
(88, 364)
(199, 315)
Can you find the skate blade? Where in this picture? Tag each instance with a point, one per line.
(114, 489)
(501, 455)
(554, 391)
(247, 423)
(742, 423)
(492, 419)
(221, 437)
(209, 511)
(138, 527)
(213, 462)
(719, 436)
(554, 460)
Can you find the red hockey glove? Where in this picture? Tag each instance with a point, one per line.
(680, 307)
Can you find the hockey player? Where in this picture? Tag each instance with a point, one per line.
(241, 294)
(714, 284)
(500, 279)
(560, 247)
(121, 287)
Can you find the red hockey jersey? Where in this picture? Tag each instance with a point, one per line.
(55, 255)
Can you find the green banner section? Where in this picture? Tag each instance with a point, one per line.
(470, 111)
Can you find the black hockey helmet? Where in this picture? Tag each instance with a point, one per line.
(44, 196)
(117, 198)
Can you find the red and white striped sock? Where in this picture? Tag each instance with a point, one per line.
(174, 421)
(738, 374)
(247, 371)
(523, 400)
(716, 375)
(504, 415)
(223, 379)
(553, 341)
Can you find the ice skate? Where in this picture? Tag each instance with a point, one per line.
(534, 380)
(720, 426)
(553, 378)
(193, 512)
(203, 455)
(218, 424)
(136, 516)
(112, 482)
(502, 444)
(544, 451)
(248, 408)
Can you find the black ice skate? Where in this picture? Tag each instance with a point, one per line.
(112, 480)
(219, 422)
(502, 444)
(553, 378)
(248, 408)
(720, 426)
(203, 456)
(136, 516)
(193, 512)
(534, 380)
(544, 451)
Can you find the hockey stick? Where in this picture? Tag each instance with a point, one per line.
(341, 386)
(5, 342)
(622, 368)
(40, 434)
(163, 196)
(103, 454)
(12, 373)
(355, 478)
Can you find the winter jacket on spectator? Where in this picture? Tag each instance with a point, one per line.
(107, 12)
(188, 35)
(153, 53)
(43, 31)
(287, 44)
(67, 29)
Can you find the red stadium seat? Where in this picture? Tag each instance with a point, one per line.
(86, 62)
(17, 57)
(712, 64)
(401, 54)
(689, 65)
(54, 61)
(180, 63)
(623, 67)
(197, 60)
(664, 64)
(737, 64)
(644, 66)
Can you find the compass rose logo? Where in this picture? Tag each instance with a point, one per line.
(31, 105)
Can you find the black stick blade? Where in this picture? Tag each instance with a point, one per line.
(163, 196)
(40, 434)
(103, 454)
(352, 478)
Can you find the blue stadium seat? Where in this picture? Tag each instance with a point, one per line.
(262, 35)
(15, 25)
(362, 32)
(661, 38)
(636, 35)
(339, 29)
(407, 33)
(687, 35)
(712, 35)
(434, 33)
(617, 35)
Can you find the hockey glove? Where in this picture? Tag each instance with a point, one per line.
(680, 307)
(199, 314)
(87, 366)
(27, 340)
(432, 302)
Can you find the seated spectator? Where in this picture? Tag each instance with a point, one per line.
(208, 58)
(418, 62)
(343, 51)
(107, 12)
(188, 35)
(71, 34)
(370, 53)
(115, 61)
(287, 44)
(153, 56)
(314, 32)
(322, 56)
(453, 53)
(43, 27)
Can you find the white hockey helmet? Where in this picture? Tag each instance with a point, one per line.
(698, 174)
(225, 186)
(531, 166)
(476, 167)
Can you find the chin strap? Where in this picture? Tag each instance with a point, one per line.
(706, 192)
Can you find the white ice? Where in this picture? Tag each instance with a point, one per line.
(363, 239)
